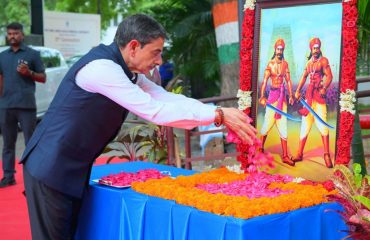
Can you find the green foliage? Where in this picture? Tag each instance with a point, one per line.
(192, 38)
(354, 195)
(363, 61)
(357, 174)
(177, 86)
(357, 145)
(363, 7)
(20, 10)
(15, 11)
(344, 181)
(353, 184)
(108, 10)
(142, 141)
(157, 145)
(129, 142)
(50, 4)
(363, 200)
(356, 168)
(178, 90)
(51, 61)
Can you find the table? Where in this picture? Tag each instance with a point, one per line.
(111, 213)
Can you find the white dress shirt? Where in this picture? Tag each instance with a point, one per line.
(144, 99)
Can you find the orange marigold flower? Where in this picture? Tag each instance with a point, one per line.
(183, 190)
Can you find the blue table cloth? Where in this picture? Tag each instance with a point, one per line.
(111, 213)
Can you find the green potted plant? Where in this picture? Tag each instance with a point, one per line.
(353, 193)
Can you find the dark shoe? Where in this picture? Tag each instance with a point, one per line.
(5, 182)
(288, 161)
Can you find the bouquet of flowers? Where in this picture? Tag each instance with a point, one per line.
(354, 195)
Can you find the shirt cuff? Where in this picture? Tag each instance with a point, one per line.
(207, 114)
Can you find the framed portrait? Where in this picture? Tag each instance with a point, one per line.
(300, 73)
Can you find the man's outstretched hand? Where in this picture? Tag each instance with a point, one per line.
(237, 121)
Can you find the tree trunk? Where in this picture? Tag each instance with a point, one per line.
(230, 81)
(225, 18)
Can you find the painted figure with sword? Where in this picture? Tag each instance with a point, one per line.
(315, 111)
(276, 102)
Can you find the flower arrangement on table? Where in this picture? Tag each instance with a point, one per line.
(127, 178)
(244, 196)
(353, 193)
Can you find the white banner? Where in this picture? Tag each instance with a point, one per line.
(71, 33)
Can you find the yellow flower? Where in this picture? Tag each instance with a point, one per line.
(183, 190)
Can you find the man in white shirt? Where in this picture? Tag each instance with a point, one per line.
(87, 112)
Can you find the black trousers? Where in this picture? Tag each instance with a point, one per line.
(9, 119)
(53, 215)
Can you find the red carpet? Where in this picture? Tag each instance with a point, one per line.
(13, 210)
(14, 223)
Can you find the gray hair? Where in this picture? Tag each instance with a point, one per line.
(140, 27)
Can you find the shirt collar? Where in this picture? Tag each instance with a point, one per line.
(121, 61)
(22, 47)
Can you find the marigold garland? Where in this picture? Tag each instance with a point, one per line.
(183, 190)
(348, 74)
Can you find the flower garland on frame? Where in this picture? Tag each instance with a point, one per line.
(246, 51)
(348, 74)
